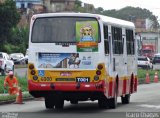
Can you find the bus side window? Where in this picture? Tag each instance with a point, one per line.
(117, 40)
(130, 42)
(106, 42)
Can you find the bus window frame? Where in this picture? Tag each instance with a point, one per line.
(99, 28)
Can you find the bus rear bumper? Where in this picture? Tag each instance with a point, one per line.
(66, 86)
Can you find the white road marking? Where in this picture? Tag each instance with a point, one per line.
(150, 106)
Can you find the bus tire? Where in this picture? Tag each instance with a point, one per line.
(125, 99)
(102, 103)
(112, 102)
(59, 104)
(49, 103)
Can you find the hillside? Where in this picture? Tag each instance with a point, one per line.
(130, 14)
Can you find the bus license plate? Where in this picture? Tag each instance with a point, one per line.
(82, 79)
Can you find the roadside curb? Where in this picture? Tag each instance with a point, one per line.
(12, 101)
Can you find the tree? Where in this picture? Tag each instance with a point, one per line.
(18, 41)
(131, 13)
(99, 10)
(9, 17)
(78, 3)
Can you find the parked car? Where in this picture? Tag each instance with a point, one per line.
(145, 63)
(6, 64)
(23, 60)
(16, 57)
(156, 59)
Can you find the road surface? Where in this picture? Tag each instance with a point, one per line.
(145, 102)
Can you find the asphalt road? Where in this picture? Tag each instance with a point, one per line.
(145, 103)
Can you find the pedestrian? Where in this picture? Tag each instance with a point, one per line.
(12, 83)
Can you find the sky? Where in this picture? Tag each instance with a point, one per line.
(152, 5)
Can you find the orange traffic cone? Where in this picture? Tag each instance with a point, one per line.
(19, 97)
(156, 77)
(147, 78)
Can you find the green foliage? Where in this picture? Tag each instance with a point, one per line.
(9, 17)
(142, 75)
(78, 3)
(130, 14)
(18, 41)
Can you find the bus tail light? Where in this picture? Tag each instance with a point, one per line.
(33, 72)
(100, 67)
(98, 72)
(35, 77)
(31, 66)
(96, 78)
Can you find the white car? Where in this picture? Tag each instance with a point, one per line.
(5, 63)
(16, 56)
(145, 63)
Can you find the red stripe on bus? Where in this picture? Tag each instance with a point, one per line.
(110, 88)
(66, 86)
(135, 84)
(124, 86)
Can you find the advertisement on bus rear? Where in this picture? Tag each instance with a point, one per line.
(87, 36)
(65, 60)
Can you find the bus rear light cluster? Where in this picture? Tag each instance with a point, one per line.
(31, 66)
(33, 72)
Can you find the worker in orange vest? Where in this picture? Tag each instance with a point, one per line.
(12, 83)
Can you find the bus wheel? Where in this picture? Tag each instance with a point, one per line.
(102, 103)
(59, 104)
(49, 103)
(126, 99)
(112, 103)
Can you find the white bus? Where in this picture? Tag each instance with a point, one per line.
(80, 56)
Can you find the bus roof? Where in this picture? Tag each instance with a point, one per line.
(105, 19)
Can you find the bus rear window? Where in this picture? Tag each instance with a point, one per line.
(57, 29)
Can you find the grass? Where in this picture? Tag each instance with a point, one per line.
(13, 97)
(142, 75)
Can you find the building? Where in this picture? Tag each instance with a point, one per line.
(145, 25)
(24, 4)
(2, 1)
(89, 7)
(59, 5)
